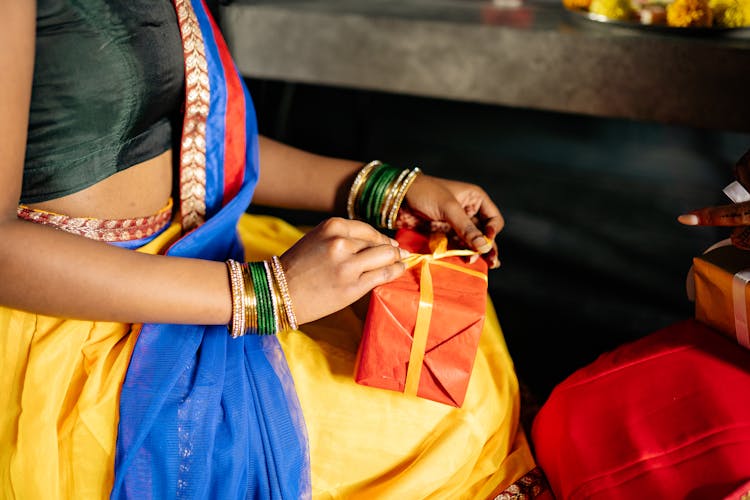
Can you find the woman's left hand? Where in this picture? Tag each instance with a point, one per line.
(736, 215)
(447, 205)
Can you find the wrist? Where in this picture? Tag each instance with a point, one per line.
(261, 304)
(377, 193)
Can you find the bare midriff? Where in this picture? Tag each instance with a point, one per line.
(139, 191)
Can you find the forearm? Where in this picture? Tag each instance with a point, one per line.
(51, 272)
(296, 179)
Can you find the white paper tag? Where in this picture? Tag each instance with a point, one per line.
(736, 192)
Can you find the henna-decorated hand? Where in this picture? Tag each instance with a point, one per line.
(734, 214)
(445, 205)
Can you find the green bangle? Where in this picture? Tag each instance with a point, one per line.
(259, 298)
(365, 198)
(379, 194)
(263, 298)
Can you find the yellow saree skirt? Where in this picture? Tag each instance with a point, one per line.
(60, 384)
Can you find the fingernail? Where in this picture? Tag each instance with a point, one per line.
(473, 259)
(404, 253)
(482, 244)
(495, 264)
(688, 219)
(393, 242)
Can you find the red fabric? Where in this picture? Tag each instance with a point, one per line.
(235, 135)
(456, 324)
(667, 417)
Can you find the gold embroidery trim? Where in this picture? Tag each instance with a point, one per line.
(197, 101)
(101, 229)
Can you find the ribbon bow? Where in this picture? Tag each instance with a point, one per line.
(439, 247)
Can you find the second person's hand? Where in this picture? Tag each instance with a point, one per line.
(735, 215)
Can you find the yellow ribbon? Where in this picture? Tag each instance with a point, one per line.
(439, 248)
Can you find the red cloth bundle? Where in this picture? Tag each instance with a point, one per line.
(422, 330)
(661, 417)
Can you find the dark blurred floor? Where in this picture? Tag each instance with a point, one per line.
(592, 255)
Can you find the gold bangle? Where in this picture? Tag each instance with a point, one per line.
(274, 304)
(283, 318)
(401, 195)
(390, 197)
(276, 297)
(237, 324)
(251, 302)
(278, 271)
(243, 299)
(359, 180)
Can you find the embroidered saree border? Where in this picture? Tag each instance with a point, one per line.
(197, 103)
(530, 486)
(111, 230)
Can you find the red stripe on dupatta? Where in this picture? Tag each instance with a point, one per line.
(235, 140)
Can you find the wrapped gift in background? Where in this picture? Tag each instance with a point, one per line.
(721, 277)
(422, 330)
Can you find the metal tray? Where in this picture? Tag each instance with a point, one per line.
(586, 16)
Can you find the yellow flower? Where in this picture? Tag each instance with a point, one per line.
(689, 13)
(613, 9)
(731, 13)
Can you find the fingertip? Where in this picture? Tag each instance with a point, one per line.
(492, 259)
(688, 219)
(482, 244)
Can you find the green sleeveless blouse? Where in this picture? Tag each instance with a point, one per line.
(108, 84)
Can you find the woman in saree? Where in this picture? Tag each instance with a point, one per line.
(129, 153)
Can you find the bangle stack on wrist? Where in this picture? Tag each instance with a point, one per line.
(377, 193)
(261, 304)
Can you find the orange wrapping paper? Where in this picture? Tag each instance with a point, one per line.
(719, 285)
(453, 296)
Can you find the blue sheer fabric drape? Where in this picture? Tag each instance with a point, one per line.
(203, 415)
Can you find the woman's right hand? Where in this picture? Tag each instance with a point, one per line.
(337, 263)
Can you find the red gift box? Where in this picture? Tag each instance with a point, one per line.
(422, 330)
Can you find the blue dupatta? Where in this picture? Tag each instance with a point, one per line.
(203, 415)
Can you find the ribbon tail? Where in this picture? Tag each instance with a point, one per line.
(421, 329)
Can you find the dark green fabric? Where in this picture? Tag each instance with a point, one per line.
(108, 80)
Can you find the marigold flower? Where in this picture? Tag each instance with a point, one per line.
(613, 9)
(689, 14)
(731, 13)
